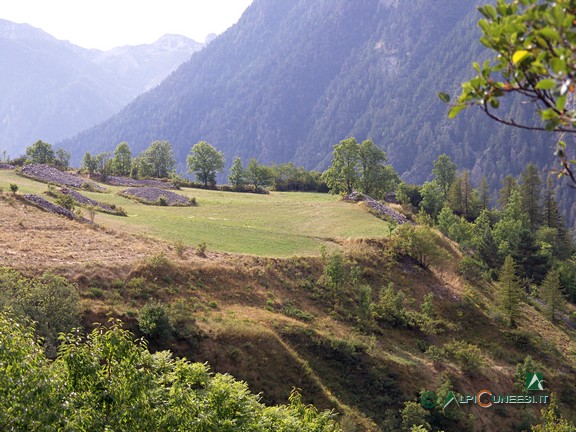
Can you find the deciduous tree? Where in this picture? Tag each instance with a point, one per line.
(122, 162)
(444, 173)
(258, 175)
(160, 156)
(205, 161)
(41, 153)
(342, 176)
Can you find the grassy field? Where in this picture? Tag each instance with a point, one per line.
(278, 224)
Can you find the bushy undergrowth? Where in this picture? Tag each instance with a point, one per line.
(49, 300)
(106, 381)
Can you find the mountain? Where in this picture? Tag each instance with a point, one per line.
(52, 89)
(142, 67)
(293, 78)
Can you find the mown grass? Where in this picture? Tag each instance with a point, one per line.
(277, 224)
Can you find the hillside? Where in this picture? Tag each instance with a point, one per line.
(52, 89)
(279, 322)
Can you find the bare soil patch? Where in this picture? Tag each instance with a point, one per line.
(32, 240)
(48, 174)
(156, 196)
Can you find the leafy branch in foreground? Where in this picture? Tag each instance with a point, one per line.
(534, 46)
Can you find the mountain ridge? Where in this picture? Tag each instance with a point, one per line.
(53, 89)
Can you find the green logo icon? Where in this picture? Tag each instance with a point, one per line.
(428, 400)
(449, 399)
(534, 381)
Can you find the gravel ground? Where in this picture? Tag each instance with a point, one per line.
(52, 208)
(152, 195)
(85, 200)
(48, 174)
(127, 181)
(378, 207)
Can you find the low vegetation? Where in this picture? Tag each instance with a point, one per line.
(361, 314)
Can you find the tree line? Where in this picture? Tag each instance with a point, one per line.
(522, 242)
(158, 161)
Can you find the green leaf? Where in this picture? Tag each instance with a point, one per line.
(550, 33)
(558, 65)
(488, 11)
(444, 97)
(546, 84)
(561, 103)
(455, 110)
(519, 56)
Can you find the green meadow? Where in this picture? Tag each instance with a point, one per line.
(277, 224)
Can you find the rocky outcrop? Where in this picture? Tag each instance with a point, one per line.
(49, 174)
(52, 208)
(378, 207)
(151, 195)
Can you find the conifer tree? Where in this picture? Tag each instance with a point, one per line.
(483, 194)
(488, 249)
(510, 292)
(530, 193)
(551, 293)
(509, 185)
(550, 212)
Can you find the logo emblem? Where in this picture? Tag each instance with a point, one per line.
(449, 399)
(428, 400)
(534, 381)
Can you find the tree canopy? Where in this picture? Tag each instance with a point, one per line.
(108, 381)
(41, 152)
(160, 156)
(360, 166)
(205, 161)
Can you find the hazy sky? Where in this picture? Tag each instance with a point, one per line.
(105, 24)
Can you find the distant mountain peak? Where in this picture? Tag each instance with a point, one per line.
(12, 30)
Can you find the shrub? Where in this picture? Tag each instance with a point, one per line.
(182, 320)
(154, 322)
(201, 249)
(292, 311)
(470, 269)
(65, 201)
(91, 213)
(49, 300)
(138, 288)
(390, 307)
(179, 248)
(13, 188)
(419, 243)
(162, 201)
(469, 356)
